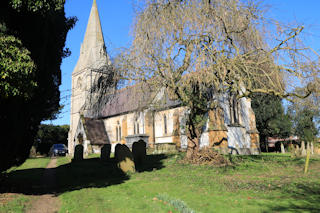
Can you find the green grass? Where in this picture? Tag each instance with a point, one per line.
(13, 203)
(29, 174)
(32, 163)
(265, 183)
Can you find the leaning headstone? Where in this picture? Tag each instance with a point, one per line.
(124, 158)
(139, 152)
(78, 153)
(105, 152)
(303, 149)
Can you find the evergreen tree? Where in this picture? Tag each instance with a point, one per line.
(48, 135)
(271, 120)
(305, 127)
(32, 40)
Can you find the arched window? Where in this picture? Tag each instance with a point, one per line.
(136, 126)
(234, 109)
(100, 83)
(79, 83)
(165, 124)
(138, 132)
(118, 132)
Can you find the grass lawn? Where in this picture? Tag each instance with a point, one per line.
(29, 173)
(265, 183)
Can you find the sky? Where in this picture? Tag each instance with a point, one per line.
(116, 19)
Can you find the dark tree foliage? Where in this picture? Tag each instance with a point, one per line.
(305, 127)
(39, 27)
(271, 120)
(48, 135)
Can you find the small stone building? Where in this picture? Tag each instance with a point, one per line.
(137, 112)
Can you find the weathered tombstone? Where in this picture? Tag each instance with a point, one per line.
(105, 152)
(303, 149)
(277, 147)
(297, 151)
(282, 148)
(139, 152)
(78, 152)
(124, 158)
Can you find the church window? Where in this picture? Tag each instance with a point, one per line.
(165, 124)
(118, 132)
(136, 127)
(99, 84)
(79, 83)
(234, 109)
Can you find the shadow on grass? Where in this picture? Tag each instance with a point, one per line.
(304, 197)
(72, 176)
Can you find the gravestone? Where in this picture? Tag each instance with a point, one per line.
(105, 152)
(297, 151)
(139, 152)
(124, 158)
(282, 148)
(78, 152)
(303, 149)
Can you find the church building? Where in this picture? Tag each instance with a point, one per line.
(129, 114)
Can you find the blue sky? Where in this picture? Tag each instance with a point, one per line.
(117, 16)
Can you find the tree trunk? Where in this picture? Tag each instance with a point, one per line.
(312, 148)
(193, 148)
(193, 142)
(267, 145)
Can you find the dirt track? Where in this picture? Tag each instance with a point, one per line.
(46, 203)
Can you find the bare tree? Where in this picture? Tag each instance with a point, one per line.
(188, 46)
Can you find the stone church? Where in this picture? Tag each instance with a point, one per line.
(129, 114)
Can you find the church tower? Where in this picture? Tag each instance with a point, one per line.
(93, 57)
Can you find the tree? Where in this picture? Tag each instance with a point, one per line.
(270, 118)
(190, 46)
(304, 125)
(32, 40)
(48, 135)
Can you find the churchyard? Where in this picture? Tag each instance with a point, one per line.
(262, 183)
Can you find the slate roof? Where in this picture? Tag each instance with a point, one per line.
(134, 98)
(95, 131)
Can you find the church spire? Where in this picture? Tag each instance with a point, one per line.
(94, 31)
(93, 51)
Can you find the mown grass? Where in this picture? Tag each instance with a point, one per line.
(32, 163)
(264, 183)
(13, 203)
(28, 174)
